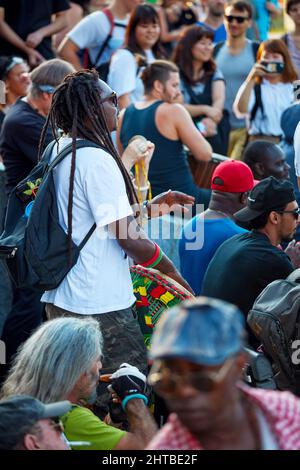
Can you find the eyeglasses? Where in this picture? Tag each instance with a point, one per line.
(57, 425)
(112, 98)
(164, 380)
(295, 212)
(239, 19)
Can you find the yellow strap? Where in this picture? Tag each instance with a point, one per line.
(137, 179)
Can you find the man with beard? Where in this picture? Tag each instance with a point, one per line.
(245, 264)
(162, 120)
(214, 19)
(235, 57)
(198, 360)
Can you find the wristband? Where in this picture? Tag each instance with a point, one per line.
(140, 188)
(134, 395)
(149, 263)
(158, 260)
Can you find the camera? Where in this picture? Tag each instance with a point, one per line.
(296, 89)
(272, 67)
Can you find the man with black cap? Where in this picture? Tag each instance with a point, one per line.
(231, 182)
(27, 424)
(245, 264)
(197, 352)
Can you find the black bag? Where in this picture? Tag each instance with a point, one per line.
(35, 248)
(219, 142)
(275, 320)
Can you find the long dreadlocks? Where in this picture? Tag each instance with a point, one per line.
(75, 101)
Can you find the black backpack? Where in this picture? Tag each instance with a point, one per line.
(275, 320)
(34, 245)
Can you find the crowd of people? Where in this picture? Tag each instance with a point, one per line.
(123, 103)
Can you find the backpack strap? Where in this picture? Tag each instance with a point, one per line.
(258, 102)
(48, 152)
(110, 18)
(294, 276)
(217, 48)
(68, 148)
(60, 156)
(255, 46)
(87, 237)
(189, 89)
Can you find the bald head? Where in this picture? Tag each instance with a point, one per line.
(266, 159)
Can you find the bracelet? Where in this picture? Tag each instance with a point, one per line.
(158, 259)
(134, 395)
(152, 261)
(140, 188)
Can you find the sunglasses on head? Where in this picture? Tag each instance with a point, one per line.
(112, 98)
(11, 64)
(239, 19)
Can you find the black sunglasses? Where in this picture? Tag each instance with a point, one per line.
(239, 19)
(295, 212)
(112, 98)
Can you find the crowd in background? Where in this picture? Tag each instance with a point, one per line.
(204, 85)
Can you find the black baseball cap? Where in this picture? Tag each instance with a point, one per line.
(268, 195)
(20, 412)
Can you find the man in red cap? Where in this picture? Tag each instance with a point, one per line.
(244, 265)
(231, 181)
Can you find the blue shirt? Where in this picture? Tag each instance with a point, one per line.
(262, 17)
(219, 34)
(194, 262)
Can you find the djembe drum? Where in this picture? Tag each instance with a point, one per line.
(155, 292)
(202, 171)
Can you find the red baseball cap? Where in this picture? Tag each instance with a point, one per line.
(232, 176)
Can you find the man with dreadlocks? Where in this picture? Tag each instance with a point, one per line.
(92, 185)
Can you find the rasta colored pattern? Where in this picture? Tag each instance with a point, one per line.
(154, 294)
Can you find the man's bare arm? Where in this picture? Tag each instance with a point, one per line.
(190, 135)
(35, 38)
(68, 51)
(141, 424)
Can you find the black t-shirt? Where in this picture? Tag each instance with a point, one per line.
(19, 141)
(27, 16)
(2, 116)
(242, 267)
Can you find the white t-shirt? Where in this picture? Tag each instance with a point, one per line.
(124, 76)
(297, 150)
(275, 98)
(92, 31)
(100, 281)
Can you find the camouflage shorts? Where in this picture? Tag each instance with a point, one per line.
(123, 342)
